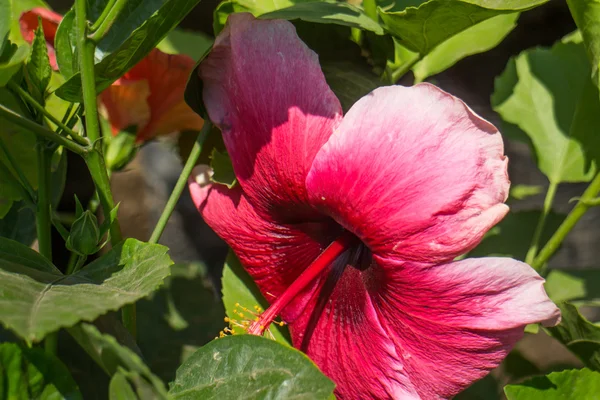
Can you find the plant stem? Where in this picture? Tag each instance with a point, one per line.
(106, 19)
(41, 131)
(43, 218)
(22, 178)
(86, 66)
(181, 183)
(399, 73)
(21, 92)
(574, 216)
(535, 242)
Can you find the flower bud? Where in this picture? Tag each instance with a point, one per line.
(85, 234)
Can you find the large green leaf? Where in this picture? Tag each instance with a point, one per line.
(12, 58)
(5, 10)
(19, 224)
(19, 7)
(239, 292)
(193, 44)
(512, 236)
(137, 45)
(326, 12)
(424, 27)
(38, 299)
(116, 359)
(548, 94)
(256, 7)
(586, 14)
(565, 385)
(250, 367)
(579, 285)
(34, 374)
(349, 81)
(64, 45)
(477, 39)
(579, 335)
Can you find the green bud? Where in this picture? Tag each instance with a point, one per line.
(85, 234)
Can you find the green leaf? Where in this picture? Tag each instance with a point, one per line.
(424, 27)
(512, 236)
(222, 169)
(64, 46)
(4, 23)
(11, 190)
(170, 325)
(34, 374)
(325, 12)
(38, 299)
(193, 44)
(115, 358)
(19, 224)
(520, 192)
(477, 39)
(131, 51)
(239, 288)
(570, 384)
(19, 7)
(349, 82)
(12, 58)
(20, 143)
(573, 285)
(120, 389)
(586, 14)
(256, 7)
(256, 367)
(549, 96)
(579, 335)
(38, 70)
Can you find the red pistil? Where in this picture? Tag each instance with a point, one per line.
(333, 251)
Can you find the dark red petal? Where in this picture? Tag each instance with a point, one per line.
(273, 254)
(265, 90)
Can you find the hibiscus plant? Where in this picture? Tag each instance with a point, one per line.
(376, 247)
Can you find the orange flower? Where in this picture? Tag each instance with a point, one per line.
(150, 96)
(50, 20)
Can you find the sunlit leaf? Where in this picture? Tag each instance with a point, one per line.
(222, 169)
(34, 374)
(193, 44)
(586, 14)
(256, 367)
(64, 45)
(548, 94)
(423, 28)
(12, 58)
(573, 284)
(569, 384)
(38, 299)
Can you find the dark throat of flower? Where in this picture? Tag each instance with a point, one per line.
(342, 244)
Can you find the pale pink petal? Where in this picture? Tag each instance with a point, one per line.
(273, 254)
(264, 89)
(414, 173)
(455, 322)
(409, 330)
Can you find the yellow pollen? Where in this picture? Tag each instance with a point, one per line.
(239, 321)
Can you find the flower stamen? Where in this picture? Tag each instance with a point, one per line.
(345, 241)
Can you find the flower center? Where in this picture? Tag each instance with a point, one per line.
(360, 258)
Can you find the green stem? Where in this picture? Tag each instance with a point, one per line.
(103, 15)
(399, 73)
(86, 66)
(44, 219)
(535, 242)
(40, 108)
(181, 184)
(22, 178)
(107, 18)
(41, 131)
(574, 216)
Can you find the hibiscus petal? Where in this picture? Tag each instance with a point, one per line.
(414, 173)
(455, 322)
(409, 330)
(266, 92)
(125, 103)
(28, 23)
(273, 254)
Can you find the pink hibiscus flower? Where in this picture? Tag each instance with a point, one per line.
(352, 224)
(28, 23)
